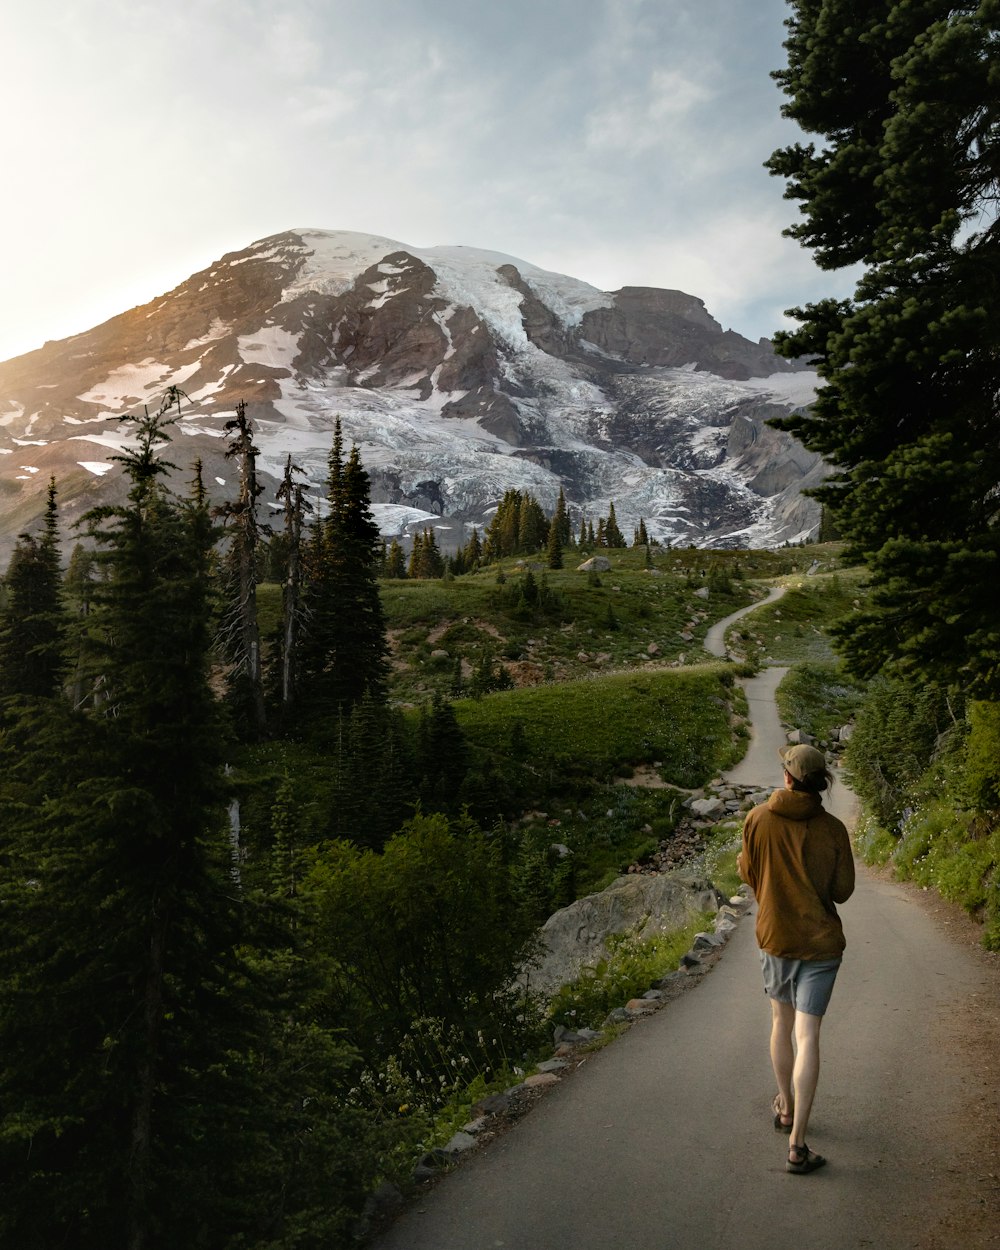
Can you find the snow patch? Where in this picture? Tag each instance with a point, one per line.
(270, 345)
(125, 385)
(97, 467)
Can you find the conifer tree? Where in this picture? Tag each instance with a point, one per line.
(902, 180)
(122, 926)
(561, 520)
(240, 635)
(473, 551)
(292, 496)
(426, 559)
(395, 562)
(554, 551)
(613, 535)
(533, 527)
(33, 626)
(582, 540)
(344, 649)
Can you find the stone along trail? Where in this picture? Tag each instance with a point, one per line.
(663, 1140)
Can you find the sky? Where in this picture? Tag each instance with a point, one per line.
(619, 141)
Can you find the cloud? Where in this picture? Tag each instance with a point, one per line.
(639, 121)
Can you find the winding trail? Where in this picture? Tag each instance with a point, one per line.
(663, 1140)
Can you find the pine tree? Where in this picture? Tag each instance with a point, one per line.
(473, 551)
(582, 540)
(122, 928)
(613, 535)
(902, 181)
(343, 649)
(395, 562)
(561, 520)
(554, 551)
(240, 635)
(533, 528)
(33, 627)
(292, 496)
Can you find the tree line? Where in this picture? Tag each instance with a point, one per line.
(194, 1041)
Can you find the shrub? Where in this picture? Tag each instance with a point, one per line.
(630, 967)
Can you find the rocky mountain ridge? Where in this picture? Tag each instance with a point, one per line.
(460, 373)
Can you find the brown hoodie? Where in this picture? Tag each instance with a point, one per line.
(797, 860)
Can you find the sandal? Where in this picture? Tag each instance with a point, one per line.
(807, 1162)
(779, 1116)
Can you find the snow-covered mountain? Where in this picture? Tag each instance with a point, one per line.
(460, 374)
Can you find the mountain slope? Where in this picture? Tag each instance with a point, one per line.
(460, 373)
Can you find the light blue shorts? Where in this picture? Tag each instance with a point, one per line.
(805, 983)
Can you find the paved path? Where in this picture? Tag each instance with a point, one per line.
(715, 639)
(663, 1140)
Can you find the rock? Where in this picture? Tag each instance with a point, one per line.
(702, 592)
(477, 1125)
(541, 1079)
(439, 653)
(845, 733)
(691, 960)
(639, 1006)
(653, 649)
(561, 849)
(553, 1065)
(458, 1144)
(596, 564)
(670, 979)
(708, 808)
(492, 1104)
(576, 936)
(617, 1015)
(799, 736)
(653, 995)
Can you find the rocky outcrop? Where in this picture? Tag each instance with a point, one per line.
(652, 326)
(576, 937)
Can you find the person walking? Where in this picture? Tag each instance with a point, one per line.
(797, 860)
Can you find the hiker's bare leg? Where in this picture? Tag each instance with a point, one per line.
(805, 1072)
(782, 1052)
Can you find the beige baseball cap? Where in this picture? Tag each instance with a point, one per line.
(801, 760)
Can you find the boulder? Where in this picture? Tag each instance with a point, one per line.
(797, 737)
(708, 808)
(576, 936)
(596, 564)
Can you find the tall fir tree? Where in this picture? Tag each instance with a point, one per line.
(905, 101)
(239, 631)
(343, 649)
(33, 625)
(612, 533)
(122, 926)
(554, 550)
(291, 495)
